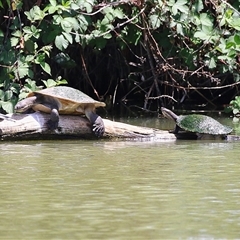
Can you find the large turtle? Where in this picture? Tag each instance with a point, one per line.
(195, 123)
(63, 100)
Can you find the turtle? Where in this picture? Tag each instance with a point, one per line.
(63, 100)
(197, 124)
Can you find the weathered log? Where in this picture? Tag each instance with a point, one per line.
(33, 126)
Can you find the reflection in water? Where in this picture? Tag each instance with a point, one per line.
(119, 190)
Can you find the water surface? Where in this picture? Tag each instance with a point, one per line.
(120, 190)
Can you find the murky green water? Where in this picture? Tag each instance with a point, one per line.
(120, 190)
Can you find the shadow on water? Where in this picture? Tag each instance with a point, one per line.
(119, 190)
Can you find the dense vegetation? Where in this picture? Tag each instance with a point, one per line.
(131, 52)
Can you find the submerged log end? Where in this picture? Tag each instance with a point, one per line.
(123, 130)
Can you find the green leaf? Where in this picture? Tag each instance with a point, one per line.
(230, 45)
(205, 20)
(84, 22)
(180, 5)
(61, 43)
(69, 23)
(85, 5)
(88, 7)
(53, 3)
(29, 46)
(155, 21)
(23, 94)
(232, 53)
(119, 13)
(52, 83)
(17, 34)
(47, 49)
(74, 6)
(96, 33)
(206, 33)
(14, 41)
(22, 70)
(8, 95)
(68, 36)
(237, 39)
(212, 63)
(61, 81)
(49, 83)
(235, 111)
(52, 9)
(40, 58)
(235, 23)
(202, 35)
(105, 21)
(30, 86)
(66, 25)
(108, 12)
(180, 29)
(198, 6)
(27, 30)
(77, 37)
(35, 31)
(35, 14)
(29, 58)
(46, 67)
(8, 106)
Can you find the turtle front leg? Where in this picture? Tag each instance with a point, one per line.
(96, 121)
(175, 130)
(52, 123)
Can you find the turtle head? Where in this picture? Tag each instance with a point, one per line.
(169, 114)
(25, 104)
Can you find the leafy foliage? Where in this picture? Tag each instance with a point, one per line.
(138, 47)
(234, 107)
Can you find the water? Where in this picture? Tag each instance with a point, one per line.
(120, 190)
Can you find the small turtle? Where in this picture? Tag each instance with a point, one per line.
(198, 124)
(63, 100)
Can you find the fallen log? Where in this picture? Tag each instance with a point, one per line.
(33, 126)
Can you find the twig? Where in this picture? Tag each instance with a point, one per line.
(87, 76)
(163, 96)
(204, 88)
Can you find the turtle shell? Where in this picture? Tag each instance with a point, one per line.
(69, 100)
(202, 124)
